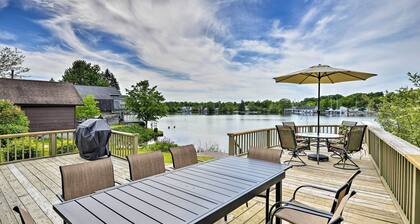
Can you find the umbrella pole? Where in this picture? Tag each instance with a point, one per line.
(318, 113)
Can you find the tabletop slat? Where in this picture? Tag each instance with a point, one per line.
(199, 193)
(104, 213)
(131, 213)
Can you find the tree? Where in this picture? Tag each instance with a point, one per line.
(399, 113)
(414, 78)
(242, 106)
(146, 102)
(111, 79)
(11, 63)
(89, 109)
(83, 73)
(12, 119)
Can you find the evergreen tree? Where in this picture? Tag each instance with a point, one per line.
(111, 79)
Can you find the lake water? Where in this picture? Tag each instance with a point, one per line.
(205, 131)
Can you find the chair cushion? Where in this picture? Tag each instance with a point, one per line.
(299, 217)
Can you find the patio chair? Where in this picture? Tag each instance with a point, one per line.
(288, 142)
(25, 217)
(353, 145)
(293, 126)
(145, 165)
(298, 211)
(269, 155)
(85, 178)
(302, 215)
(342, 130)
(183, 156)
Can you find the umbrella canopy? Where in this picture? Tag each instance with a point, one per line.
(323, 74)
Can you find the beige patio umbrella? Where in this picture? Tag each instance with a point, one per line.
(322, 74)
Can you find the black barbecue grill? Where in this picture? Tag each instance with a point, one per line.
(92, 138)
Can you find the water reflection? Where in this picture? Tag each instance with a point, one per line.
(206, 131)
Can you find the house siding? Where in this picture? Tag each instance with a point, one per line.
(47, 118)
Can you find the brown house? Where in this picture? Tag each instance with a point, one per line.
(48, 105)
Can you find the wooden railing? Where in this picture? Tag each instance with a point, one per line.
(241, 142)
(34, 145)
(397, 161)
(123, 144)
(398, 164)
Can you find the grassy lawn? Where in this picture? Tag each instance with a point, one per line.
(168, 159)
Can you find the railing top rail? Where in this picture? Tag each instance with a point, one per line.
(124, 133)
(266, 129)
(35, 133)
(400, 145)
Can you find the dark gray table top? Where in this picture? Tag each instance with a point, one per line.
(201, 193)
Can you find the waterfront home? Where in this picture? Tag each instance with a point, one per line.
(109, 98)
(48, 105)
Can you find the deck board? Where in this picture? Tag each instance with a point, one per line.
(34, 184)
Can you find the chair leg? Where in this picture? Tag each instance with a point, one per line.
(344, 165)
(246, 204)
(225, 218)
(267, 205)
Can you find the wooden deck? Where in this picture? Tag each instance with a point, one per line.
(34, 185)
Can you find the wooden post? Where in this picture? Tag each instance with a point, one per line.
(231, 145)
(268, 138)
(135, 144)
(416, 197)
(53, 144)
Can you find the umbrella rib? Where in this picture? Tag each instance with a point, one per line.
(304, 79)
(330, 79)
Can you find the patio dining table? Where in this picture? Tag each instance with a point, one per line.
(201, 193)
(318, 136)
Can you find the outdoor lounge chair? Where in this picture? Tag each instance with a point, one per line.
(288, 142)
(183, 156)
(353, 145)
(25, 217)
(145, 165)
(294, 211)
(86, 178)
(269, 155)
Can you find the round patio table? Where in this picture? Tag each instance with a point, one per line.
(318, 157)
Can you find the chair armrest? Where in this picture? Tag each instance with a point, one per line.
(60, 197)
(312, 186)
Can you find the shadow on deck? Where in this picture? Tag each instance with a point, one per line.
(34, 185)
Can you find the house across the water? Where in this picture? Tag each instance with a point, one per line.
(109, 98)
(48, 105)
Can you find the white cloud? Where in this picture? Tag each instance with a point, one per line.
(6, 35)
(180, 37)
(4, 3)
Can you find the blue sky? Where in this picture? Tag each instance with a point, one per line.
(218, 49)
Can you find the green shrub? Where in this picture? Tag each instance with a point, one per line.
(67, 148)
(145, 134)
(24, 149)
(12, 119)
(162, 145)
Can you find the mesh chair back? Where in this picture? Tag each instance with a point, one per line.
(85, 178)
(337, 218)
(269, 155)
(290, 124)
(145, 165)
(25, 217)
(355, 138)
(183, 156)
(345, 127)
(286, 137)
(349, 123)
(344, 190)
